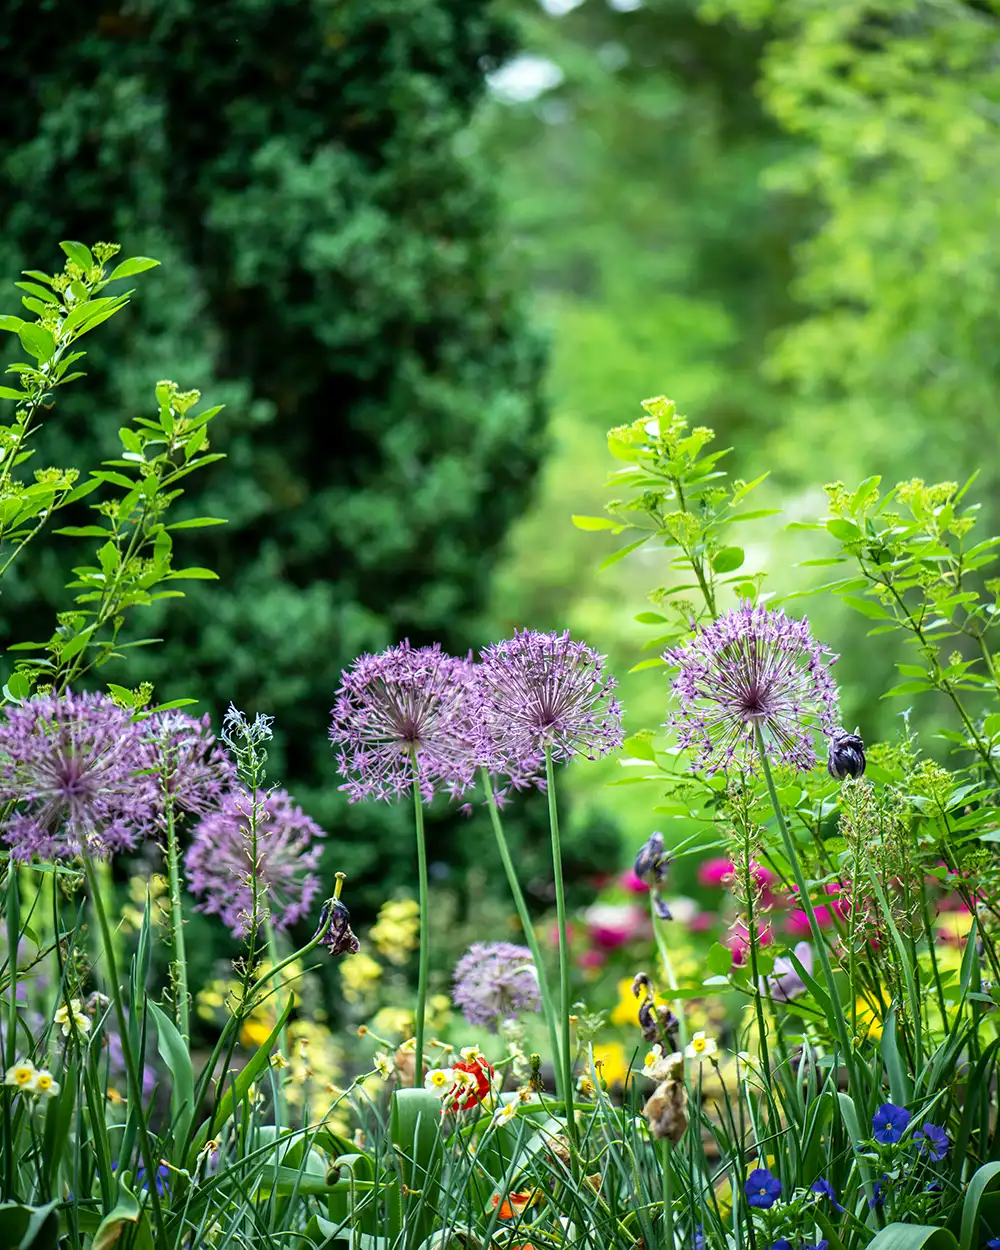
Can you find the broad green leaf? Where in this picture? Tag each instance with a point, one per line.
(128, 268)
(845, 531)
(728, 560)
(36, 341)
(8, 392)
(126, 1225)
(79, 253)
(985, 1182)
(595, 523)
(175, 1054)
(13, 324)
(197, 522)
(912, 1237)
(639, 747)
(719, 959)
(29, 1228)
(193, 574)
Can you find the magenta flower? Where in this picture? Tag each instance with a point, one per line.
(541, 692)
(74, 765)
(496, 981)
(403, 710)
(753, 669)
(189, 765)
(220, 867)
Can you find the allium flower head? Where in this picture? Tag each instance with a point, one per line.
(753, 668)
(76, 766)
(219, 861)
(543, 691)
(190, 767)
(496, 981)
(406, 703)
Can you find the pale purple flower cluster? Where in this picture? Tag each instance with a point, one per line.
(219, 863)
(543, 692)
(192, 769)
(753, 668)
(77, 767)
(494, 982)
(401, 713)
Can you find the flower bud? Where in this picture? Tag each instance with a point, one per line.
(847, 755)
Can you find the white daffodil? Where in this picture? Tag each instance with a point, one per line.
(505, 1112)
(45, 1086)
(440, 1080)
(21, 1075)
(470, 1053)
(701, 1047)
(661, 1067)
(383, 1066)
(72, 1017)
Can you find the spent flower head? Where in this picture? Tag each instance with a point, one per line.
(496, 981)
(220, 861)
(335, 931)
(76, 769)
(402, 713)
(753, 669)
(543, 692)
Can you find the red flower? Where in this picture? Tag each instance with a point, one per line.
(468, 1097)
(513, 1204)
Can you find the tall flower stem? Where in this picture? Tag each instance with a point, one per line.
(272, 955)
(667, 1179)
(423, 955)
(791, 855)
(12, 912)
(134, 1083)
(566, 1054)
(548, 1006)
(178, 963)
(668, 968)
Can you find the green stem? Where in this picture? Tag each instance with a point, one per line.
(13, 917)
(272, 954)
(668, 968)
(423, 955)
(178, 966)
(814, 929)
(668, 1197)
(134, 1083)
(566, 1054)
(548, 1006)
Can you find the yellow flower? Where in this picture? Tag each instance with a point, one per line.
(626, 1011)
(255, 1031)
(392, 1021)
(395, 933)
(21, 1074)
(869, 1019)
(358, 976)
(701, 1046)
(610, 1062)
(44, 1084)
(954, 924)
(382, 1063)
(72, 1017)
(505, 1112)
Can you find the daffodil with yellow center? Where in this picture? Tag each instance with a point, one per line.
(440, 1080)
(71, 1017)
(505, 1112)
(383, 1066)
(701, 1046)
(45, 1085)
(21, 1075)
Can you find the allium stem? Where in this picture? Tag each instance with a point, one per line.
(272, 954)
(132, 1071)
(423, 954)
(178, 964)
(13, 917)
(791, 854)
(566, 1054)
(548, 1006)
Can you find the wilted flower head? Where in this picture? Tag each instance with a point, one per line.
(191, 769)
(846, 756)
(651, 866)
(753, 668)
(543, 691)
(335, 926)
(496, 981)
(405, 708)
(220, 866)
(75, 766)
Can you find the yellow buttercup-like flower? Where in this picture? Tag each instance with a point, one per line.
(396, 931)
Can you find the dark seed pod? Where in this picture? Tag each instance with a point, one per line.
(847, 756)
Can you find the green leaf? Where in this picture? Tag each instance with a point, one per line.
(36, 341)
(728, 560)
(13, 324)
(109, 557)
(126, 1225)
(719, 959)
(197, 522)
(649, 618)
(986, 1182)
(867, 607)
(640, 748)
(621, 553)
(175, 1054)
(9, 392)
(596, 523)
(128, 268)
(76, 644)
(846, 531)
(82, 531)
(656, 662)
(29, 1228)
(912, 1237)
(194, 574)
(79, 253)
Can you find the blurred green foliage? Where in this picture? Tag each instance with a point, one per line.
(333, 270)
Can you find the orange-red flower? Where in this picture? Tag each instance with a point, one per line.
(469, 1096)
(514, 1204)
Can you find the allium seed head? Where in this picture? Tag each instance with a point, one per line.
(220, 868)
(753, 668)
(494, 982)
(76, 767)
(543, 691)
(189, 765)
(406, 704)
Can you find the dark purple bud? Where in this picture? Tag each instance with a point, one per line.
(335, 929)
(847, 755)
(652, 862)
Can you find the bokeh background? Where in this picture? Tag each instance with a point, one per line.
(429, 251)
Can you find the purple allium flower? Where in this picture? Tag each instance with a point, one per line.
(762, 1189)
(889, 1123)
(218, 862)
(188, 763)
(405, 702)
(543, 691)
(825, 1190)
(496, 981)
(932, 1142)
(753, 668)
(75, 765)
(785, 982)
(335, 926)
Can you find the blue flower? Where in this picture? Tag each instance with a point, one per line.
(994, 1244)
(814, 1245)
(783, 1244)
(878, 1195)
(762, 1189)
(699, 1237)
(888, 1123)
(932, 1141)
(825, 1190)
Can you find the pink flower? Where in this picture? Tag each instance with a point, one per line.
(633, 884)
(592, 959)
(702, 922)
(611, 925)
(738, 941)
(713, 872)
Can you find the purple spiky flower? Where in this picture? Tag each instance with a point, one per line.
(220, 864)
(189, 766)
(538, 692)
(495, 981)
(402, 712)
(76, 768)
(753, 668)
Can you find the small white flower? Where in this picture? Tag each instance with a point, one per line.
(505, 1112)
(382, 1064)
(44, 1085)
(441, 1080)
(661, 1067)
(701, 1047)
(21, 1075)
(72, 1017)
(469, 1053)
